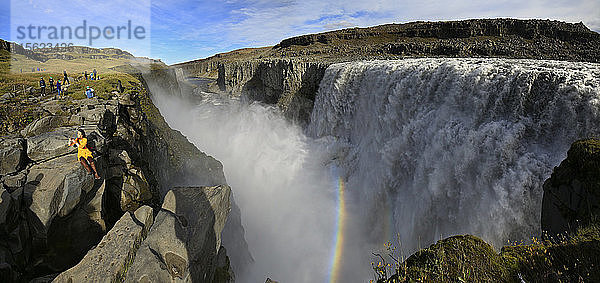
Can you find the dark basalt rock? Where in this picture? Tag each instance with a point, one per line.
(572, 194)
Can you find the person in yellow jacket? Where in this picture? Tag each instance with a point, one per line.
(84, 155)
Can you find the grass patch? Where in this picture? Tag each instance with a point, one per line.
(575, 259)
(464, 258)
(469, 259)
(104, 86)
(22, 108)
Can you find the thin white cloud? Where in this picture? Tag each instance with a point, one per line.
(267, 22)
(338, 25)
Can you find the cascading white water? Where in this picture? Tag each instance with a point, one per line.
(428, 148)
(454, 146)
(279, 179)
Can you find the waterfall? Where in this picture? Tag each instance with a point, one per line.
(285, 193)
(420, 148)
(436, 147)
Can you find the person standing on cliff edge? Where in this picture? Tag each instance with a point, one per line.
(42, 87)
(66, 78)
(51, 83)
(58, 88)
(84, 155)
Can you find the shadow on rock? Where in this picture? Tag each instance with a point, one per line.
(185, 239)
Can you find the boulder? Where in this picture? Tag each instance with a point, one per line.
(94, 206)
(13, 155)
(125, 99)
(51, 144)
(135, 189)
(43, 125)
(56, 143)
(53, 107)
(127, 185)
(184, 241)
(455, 257)
(109, 260)
(117, 162)
(13, 182)
(71, 236)
(92, 111)
(76, 120)
(572, 194)
(53, 189)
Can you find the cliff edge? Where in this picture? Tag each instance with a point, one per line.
(288, 74)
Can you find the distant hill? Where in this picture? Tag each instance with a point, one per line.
(74, 59)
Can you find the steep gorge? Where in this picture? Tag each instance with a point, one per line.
(426, 148)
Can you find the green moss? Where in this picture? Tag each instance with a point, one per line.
(469, 259)
(17, 113)
(571, 260)
(456, 259)
(584, 160)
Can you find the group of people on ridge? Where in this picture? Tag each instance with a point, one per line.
(93, 75)
(89, 92)
(58, 85)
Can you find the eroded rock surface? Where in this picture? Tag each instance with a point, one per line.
(184, 241)
(109, 260)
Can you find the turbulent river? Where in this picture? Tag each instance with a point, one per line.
(410, 151)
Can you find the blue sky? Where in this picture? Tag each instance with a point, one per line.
(182, 30)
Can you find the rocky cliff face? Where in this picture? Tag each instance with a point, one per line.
(178, 162)
(572, 194)
(528, 29)
(165, 82)
(289, 73)
(55, 211)
(290, 84)
(52, 212)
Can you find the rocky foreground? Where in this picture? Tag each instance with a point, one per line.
(157, 212)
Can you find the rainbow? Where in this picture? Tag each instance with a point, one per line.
(339, 235)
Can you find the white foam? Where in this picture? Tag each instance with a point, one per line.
(460, 145)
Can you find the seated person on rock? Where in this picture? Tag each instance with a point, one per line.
(84, 155)
(89, 92)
